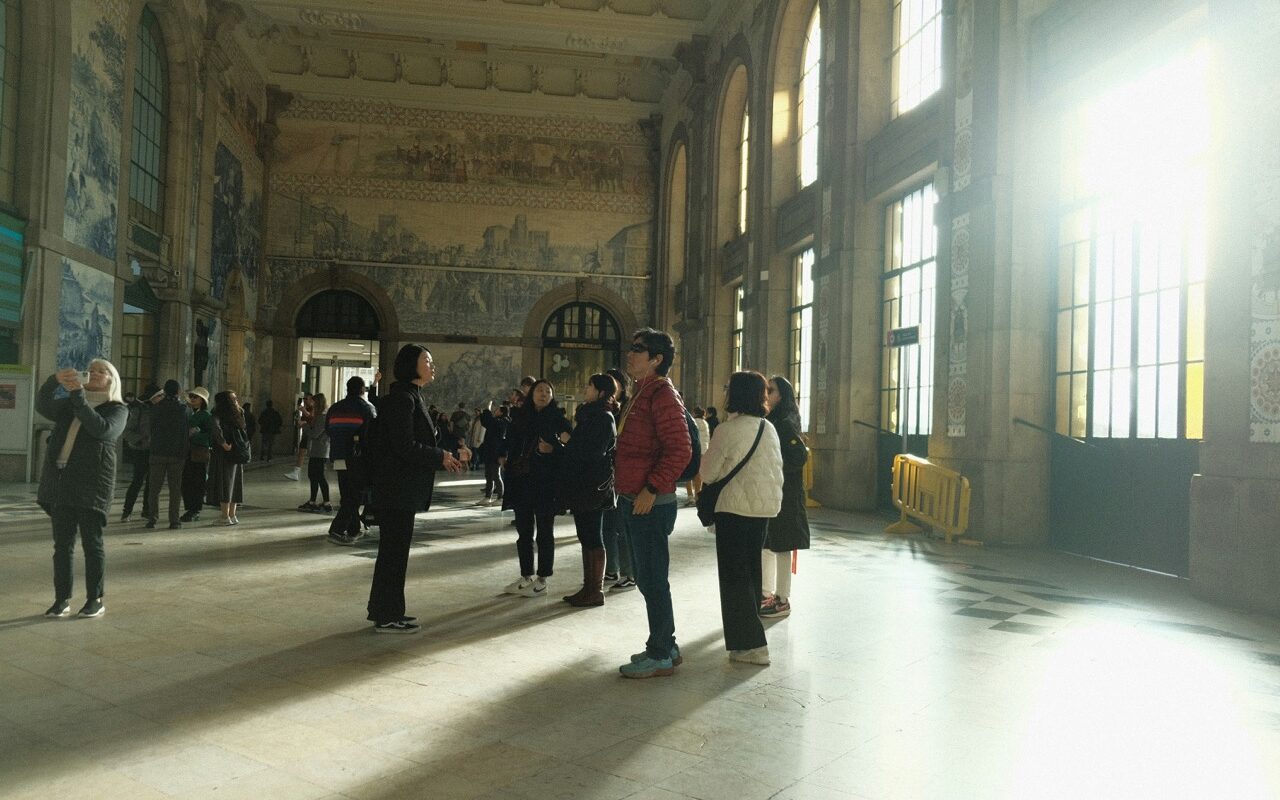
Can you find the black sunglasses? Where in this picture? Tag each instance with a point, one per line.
(639, 348)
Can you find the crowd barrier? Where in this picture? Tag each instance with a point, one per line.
(930, 494)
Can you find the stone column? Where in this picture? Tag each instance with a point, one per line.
(1235, 500)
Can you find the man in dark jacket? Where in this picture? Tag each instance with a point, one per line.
(270, 423)
(347, 423)
(137, 450)
(169, 423)
(496, 423)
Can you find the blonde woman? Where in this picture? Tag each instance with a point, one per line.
(79, 475)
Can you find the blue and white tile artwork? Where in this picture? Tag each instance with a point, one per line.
(86, 309)
(94, 127)
(237, 211)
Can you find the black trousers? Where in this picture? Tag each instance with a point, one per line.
(492, 478)
(66, 522)
(590, 525)
(195, 476)
(738, 544)
(319, 483)
(165, 468)
(268, 445)
(140, 483)
(386, 596)
(351, 488)
(526, 521)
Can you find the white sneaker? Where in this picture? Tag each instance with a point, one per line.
(294, 474)
(757, 655)
(537, 588)
(519, 585)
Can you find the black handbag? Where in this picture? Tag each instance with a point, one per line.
(710, 494)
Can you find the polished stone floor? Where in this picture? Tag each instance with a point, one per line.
(235, 662)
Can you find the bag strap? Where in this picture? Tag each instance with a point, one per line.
(725, 480)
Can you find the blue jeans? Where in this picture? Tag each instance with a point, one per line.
(652, 560)
(617, 546)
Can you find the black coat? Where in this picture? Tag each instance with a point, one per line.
(495, 434)
(269, 422)
(169, 427)
(586, 466)
(790, 529)
(89, 478)
(402, 451)
(530, 478)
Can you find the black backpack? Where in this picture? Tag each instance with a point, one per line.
(695, 461)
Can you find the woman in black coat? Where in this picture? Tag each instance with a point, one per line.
(403, 460)
(538, 433)
(226, 475)
(789, 531)
(586, 482)
(78, 480)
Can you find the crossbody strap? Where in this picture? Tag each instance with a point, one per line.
(725, 480)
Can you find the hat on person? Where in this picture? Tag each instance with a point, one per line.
(200, 392)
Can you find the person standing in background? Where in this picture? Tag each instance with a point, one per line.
(170, 427)
(196, 472)
(270, 423)
(347, 424)
(137, 450)
(226, 483)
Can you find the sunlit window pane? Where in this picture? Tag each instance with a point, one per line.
(744, 161)
(909, 297)
(916, 65)
(807, 102)
(800, 360)
(738, 326)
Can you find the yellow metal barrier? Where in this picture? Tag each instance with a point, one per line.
(809, 502)
(931, 494)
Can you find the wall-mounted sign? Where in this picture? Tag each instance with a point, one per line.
(901, 337)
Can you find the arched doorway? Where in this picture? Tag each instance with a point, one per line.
(338, 334)
(579, 340)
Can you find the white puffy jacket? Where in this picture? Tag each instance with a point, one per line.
(756, 491)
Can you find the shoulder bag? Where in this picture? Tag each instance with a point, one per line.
(710, 494)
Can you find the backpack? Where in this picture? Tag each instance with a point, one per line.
(695, 461)
(240, 452)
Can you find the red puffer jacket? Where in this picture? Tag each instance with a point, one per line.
(653, 439)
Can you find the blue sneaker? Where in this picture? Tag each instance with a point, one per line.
(647, 668)
(676, 658)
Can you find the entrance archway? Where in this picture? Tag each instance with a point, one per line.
(337, 334)
(579, 339)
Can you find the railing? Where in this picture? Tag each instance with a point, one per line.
(928, 493)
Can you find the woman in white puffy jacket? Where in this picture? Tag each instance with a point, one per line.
(746, 504)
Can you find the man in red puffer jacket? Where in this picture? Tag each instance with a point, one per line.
(653, 449)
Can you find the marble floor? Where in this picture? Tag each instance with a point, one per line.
(236, 662)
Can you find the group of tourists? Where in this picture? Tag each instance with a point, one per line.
(614, 469)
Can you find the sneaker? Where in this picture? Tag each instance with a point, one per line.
(757, 655)
(624, 584)
(294, 474)
(519, 585)
(484, 501)
(537, 588)
(647, 668)
(93, 608)
(173, 526)
(676, 658)
(326, 508)
(399, 626)
(59, 609)
(778, 608)
(337, 538)
(235, 520)
(126, 516)
(767, 605)
(308, 506)
(151, 523)
(190, 516)
(610, 578)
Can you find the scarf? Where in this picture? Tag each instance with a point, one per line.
(93, 400)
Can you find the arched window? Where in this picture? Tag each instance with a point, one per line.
(579, 340)
(150, 129)
(10, 39)
(338, 314)
(744, 164)
(808, 94)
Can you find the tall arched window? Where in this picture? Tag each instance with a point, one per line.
(744, 164)
(150, 128)
(808, 94)
(10, 38)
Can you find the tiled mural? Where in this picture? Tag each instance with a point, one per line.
(86, 300)
(473, 374)
(237, 215)
(479, 199)
(1264, 355)
(94, 124)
